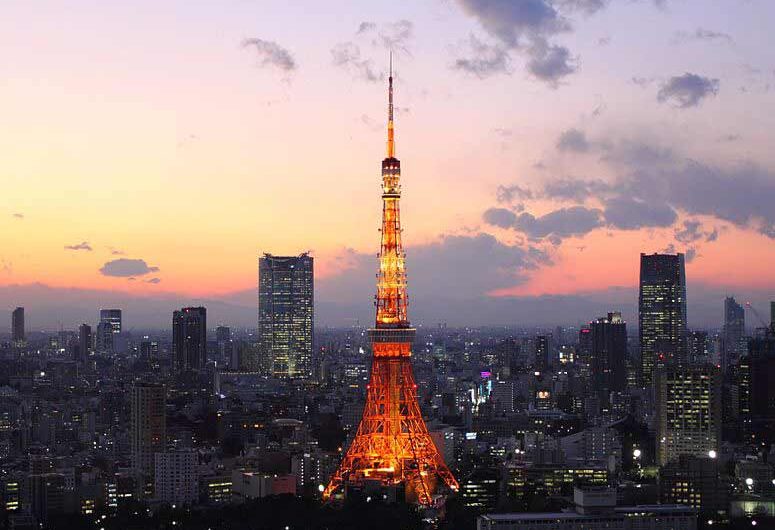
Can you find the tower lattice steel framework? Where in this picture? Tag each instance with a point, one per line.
(392, 444)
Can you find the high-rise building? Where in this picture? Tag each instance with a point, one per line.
(108, 329)
(84, 341)
(176, 479)
(609, 352)
(392, 446)
(189, 338)
(583, 357)
(113, 317)
(148, 433)
(149, 349)
(222, 334)
(542, 360)
(286, 314)
(662, 312)
(688, 411)
(104, 339)
(756, 389)
(17, 326)
(698, 346)
(735, 343)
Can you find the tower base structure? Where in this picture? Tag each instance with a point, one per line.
(392, 445)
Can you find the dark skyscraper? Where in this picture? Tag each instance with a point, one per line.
(542, 353)
(148, 434)
(107, 329)
(222, 334)
(735, 343)
(698, 346)
(609, 351)
(189, 338)
(285, 314)
(662, 312)
(112, 317)
(17, 326)
(84, 341)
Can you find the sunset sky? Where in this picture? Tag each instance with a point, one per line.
(151, 151)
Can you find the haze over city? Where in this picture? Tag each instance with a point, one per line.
(151, 153)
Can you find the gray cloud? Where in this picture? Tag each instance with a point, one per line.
(271, 54)
(577, 190)
(500, 217)
(511, 21)
(507, 194)
(19, 216)
(687, 90)
(523, 26)
(365, 27)
(573, 140)
(484, 59)
(555, 225)
(125, 268)
(153, 280)
(347, 55)
(392, 36)
(79, 246)
(550, 63)
(702, 34)
(626, 213)
(586, 6)
(655, 183)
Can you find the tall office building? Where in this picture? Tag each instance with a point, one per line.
(688, 411)
(609, 352)
(84, 341)
(108, 328)
(148, 434)
(542, 360)
(222, 334)
(662, 312)
(735, 342)
(17, 326)
(189, 338)
(286, 314)
(698, 346)
(756, 389)
(112, 317)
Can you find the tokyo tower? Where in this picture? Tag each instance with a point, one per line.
(392, 445)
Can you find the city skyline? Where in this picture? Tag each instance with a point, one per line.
(542, 197)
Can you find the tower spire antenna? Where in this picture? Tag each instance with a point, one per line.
(391, 144)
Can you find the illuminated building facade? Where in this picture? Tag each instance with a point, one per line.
(392, 446)
(286, 314)
(661, 312)
(189, 338)
(688, 411)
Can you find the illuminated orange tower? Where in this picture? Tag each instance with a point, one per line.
(392, 444)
